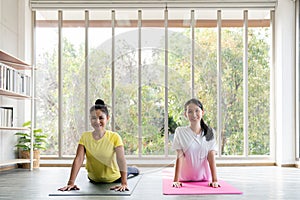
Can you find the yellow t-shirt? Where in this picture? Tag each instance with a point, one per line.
(101, 162)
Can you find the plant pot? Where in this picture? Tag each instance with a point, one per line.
(26, 155)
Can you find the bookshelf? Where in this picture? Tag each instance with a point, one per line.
(16, 84)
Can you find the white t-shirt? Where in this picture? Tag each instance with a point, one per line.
(195, 166)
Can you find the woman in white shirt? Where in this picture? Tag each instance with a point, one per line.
(196, 148)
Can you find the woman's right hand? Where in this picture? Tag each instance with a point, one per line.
(177, 184)
(69, 187)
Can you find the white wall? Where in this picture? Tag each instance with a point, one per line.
(285, 74)
(9, 26)
(15, 39)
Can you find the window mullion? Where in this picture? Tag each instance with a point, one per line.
(193, 53)
(86, 69)
(245, 77)
(219, 81)
(140, 142)
(60, 84)
(166, 124)
(113, 92)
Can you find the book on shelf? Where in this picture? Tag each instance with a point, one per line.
(2, 71)
(14, 81)
(6, 116)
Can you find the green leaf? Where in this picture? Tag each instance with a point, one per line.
(22, 134)
(27, 124)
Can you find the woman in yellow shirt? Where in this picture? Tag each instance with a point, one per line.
(104, 151)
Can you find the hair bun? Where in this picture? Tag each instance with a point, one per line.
(99, 102)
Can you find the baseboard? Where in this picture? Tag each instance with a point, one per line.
(138, 165)
(9, 167)
(171, 162)
(249, 164)
(288, 165)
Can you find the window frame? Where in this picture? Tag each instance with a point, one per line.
(172, 23)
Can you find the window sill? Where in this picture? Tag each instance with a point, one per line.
(157, 161)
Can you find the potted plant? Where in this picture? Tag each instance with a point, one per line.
(24, 144)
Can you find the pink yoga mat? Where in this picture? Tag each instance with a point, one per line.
(197, 188)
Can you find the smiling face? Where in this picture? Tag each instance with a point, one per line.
(193, 113)
(99, 119)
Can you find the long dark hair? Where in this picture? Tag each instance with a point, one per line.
(100, 105)
(208, 131)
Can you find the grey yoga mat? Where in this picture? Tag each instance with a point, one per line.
(89, 189)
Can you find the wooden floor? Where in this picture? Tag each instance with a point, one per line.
(269, 182)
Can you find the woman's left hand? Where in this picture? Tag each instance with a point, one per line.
(214, 184)
(120, 188)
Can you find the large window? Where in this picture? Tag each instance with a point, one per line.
(47, 39)
(145, 64)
